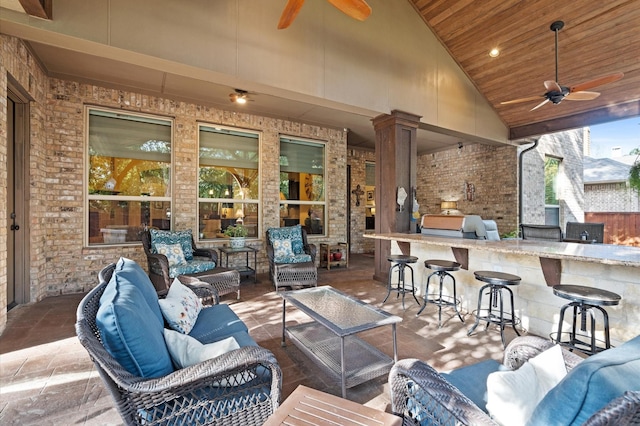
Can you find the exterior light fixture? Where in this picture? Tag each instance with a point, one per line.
(447, 206)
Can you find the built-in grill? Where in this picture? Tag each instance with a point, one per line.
(457, 226)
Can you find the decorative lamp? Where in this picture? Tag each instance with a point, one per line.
(448, 206)
(239, 216)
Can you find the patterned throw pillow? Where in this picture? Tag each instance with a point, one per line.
(282, 250)
(172, 237)
(181, 307)
(293, 233)
(174, 253)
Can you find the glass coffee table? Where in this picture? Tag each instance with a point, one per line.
(330, 339)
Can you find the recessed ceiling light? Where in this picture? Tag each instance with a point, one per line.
(494, 52)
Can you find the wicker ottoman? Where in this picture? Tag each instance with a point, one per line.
(224, 280)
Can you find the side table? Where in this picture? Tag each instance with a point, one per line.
(329, 255)
(245, 270)
(310, 406)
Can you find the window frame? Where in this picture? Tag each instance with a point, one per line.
(283, 204)
(552, 211)
(123, 198)
(199, 236)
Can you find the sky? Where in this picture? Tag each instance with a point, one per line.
(622, 133)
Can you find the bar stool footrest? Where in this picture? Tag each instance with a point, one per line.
(495, 319)
(574, 343)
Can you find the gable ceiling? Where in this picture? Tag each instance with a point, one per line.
(599, 38)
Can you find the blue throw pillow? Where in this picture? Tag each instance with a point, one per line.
(292, 233)
(183, 238)
(129, 329)
(591, 385)
(129, 271)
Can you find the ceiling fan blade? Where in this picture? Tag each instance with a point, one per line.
(582, 96)
(596, 82)
(517, 101)
(289, 13)
(552, 86)
(539, 105)
(357, 9)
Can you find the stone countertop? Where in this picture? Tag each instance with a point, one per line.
(606, 254)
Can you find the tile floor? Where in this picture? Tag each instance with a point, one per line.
(46, 376)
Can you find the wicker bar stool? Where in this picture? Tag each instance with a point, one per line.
(400, 262)
(441, 268)
(497, 283)
(584, 300)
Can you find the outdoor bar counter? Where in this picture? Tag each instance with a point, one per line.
(540, 264)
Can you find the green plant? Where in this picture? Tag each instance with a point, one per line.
(634, 175)
(512, 234)
(236, 231)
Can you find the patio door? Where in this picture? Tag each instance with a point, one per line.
(17, 187)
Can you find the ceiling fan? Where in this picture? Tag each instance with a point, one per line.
(357, 9)
(239, 96)
(556, 93)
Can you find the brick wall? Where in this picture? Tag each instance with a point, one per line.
(611, 197)
(491, 169)
(568, 147)
(357, 159)
(59, 262)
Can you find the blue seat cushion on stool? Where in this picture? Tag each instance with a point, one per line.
(472, 380)
(591, 385)
(216, 323)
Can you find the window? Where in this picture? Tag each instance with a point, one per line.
(302, 189)
(370, 190)
(551, 202)
(129, 176)
(228, 181)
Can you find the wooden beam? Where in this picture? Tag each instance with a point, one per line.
(39, 8)
(597, 116)
(462, 256)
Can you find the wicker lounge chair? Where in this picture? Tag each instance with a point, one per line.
(297, 270)
(239, 387)
(162, 274)
(421, 395)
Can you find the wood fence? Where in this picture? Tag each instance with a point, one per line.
(619, 228)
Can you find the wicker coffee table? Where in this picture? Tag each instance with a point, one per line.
(330, 338)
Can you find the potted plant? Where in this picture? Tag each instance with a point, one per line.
(237, 235)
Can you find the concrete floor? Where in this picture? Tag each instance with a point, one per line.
(46, 376)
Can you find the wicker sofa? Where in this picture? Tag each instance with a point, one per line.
(601, 390)
(241, 386)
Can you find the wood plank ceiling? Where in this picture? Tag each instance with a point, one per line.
(599, 38)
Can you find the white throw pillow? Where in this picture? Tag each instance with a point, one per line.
(282, 249)
(512, 396)
(186, 351)
(173, 252)
(181, 307)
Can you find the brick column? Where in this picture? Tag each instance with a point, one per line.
(396, 159)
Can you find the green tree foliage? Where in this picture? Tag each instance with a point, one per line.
(551, 167)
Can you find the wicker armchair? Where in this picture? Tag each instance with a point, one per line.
(211, 392)
(416, 388)
(294, 275)
(158, 265)
(541, 232)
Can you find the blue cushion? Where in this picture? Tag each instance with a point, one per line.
(591, 385)
(183, 238)
(129, 271)
(472, 380)
(293, 233)
(296, 258)
(191, 267)
(216, 323)
(129, 330)
(243, 339)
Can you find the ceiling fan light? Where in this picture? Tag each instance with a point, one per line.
(241, 100)
(494, 53)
